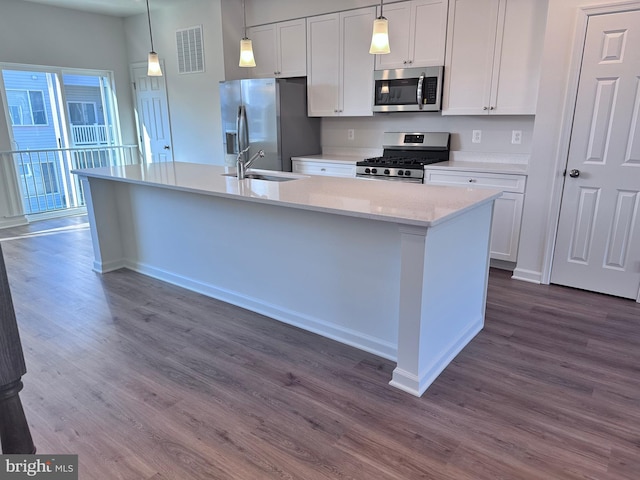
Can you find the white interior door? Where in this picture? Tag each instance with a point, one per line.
(598, 242)
(153, 115)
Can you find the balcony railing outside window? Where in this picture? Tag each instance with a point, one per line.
(44, 177)
(91, 134)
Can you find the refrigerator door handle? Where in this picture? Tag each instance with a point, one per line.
(242, 129)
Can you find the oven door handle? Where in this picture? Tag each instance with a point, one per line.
(419, 91)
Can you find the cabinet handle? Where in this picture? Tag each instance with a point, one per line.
(410, 62)
(471, 180)
(405, 62)
(492, 108)
(485, 108)
(323, 169)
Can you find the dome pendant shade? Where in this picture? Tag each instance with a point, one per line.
(246, 53)
(154, 65)
(380, 37)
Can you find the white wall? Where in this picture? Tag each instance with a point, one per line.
(549, 154)
(62, 37)
(194, 103)
(36, 34)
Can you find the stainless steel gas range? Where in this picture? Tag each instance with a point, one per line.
(404, 156)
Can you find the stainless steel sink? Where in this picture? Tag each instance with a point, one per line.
(262, 176)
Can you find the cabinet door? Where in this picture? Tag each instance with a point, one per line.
(519, 45)
(323, 65)
(292, 48)
(505, 233)
(471, 39)
(264, 50)
(429, 32)
(399, 17)
(357, 63)
(417, 34)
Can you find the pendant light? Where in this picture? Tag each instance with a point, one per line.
(153, 67)
(380, 37)
(246, 47)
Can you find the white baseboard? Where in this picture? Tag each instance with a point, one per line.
(524, 275)
(106, 267)
(415, 385)
(9, 222)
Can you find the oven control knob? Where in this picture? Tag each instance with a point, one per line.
(400, 172)
(386, 171)
(367, 170)
(407, 173)
(374, 170)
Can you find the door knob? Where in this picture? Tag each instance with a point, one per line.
(167, 147)
(575, 173)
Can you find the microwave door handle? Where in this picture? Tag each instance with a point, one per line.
(419, 91)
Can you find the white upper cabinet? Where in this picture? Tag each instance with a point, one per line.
(339, 66)
(493, 57)
(280, 49)
(417, 34)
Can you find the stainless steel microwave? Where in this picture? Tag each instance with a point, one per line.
(408, 90)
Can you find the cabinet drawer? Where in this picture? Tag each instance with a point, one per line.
(499, 181)
(320, 168)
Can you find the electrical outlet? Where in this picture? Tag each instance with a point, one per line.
(351, 134)
(477, 136)
(516, 137)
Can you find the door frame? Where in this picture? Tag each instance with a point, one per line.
(562, 158)
(134, 94)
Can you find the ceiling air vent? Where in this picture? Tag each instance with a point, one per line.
(190, 50)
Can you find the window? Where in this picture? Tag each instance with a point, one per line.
(82, 113)
(26, 107)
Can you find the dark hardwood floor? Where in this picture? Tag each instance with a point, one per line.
(144, 380)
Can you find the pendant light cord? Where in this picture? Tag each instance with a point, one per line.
(150, 34)
(244, 19)
(381, 15)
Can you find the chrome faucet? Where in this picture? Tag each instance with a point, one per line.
(243, 165)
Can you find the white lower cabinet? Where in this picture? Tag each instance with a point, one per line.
(507, 213)
(315, 167)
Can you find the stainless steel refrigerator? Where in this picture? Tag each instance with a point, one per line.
(268, 114)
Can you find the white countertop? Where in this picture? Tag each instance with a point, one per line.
(398, 202)
(481, 167)
(329, 158)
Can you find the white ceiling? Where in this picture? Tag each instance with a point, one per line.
(116, 8)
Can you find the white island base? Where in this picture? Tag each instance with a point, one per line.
(409, 286)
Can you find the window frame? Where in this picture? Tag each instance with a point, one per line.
(83, 104)
(28, 93)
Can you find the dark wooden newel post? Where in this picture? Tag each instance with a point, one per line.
(14, 430)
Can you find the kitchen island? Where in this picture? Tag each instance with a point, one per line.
(396, 269)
